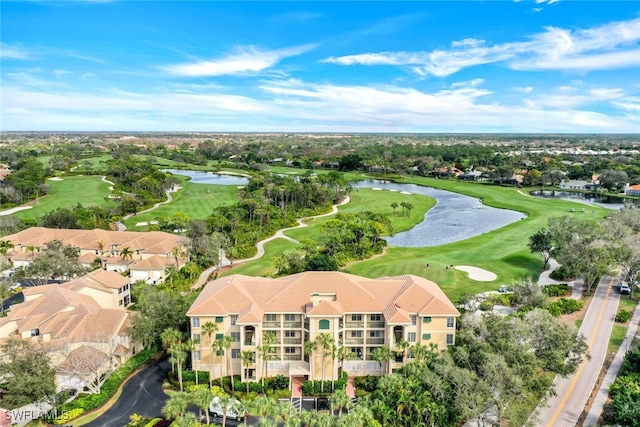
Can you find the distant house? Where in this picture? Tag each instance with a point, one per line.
(447, 171)
(470, 176)
(574, 184)
(633, 190)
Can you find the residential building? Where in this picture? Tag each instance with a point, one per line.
(358, 313)
(632, 190)
(150, 253)
(573, 184)
(83, 323)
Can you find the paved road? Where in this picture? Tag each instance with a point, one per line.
(564, 409)
(141, 395)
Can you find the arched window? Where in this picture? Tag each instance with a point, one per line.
(324, 324)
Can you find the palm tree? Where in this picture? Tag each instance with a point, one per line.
(218, 347)
(202, 398)
(126, 253)
(247, 358)
(4, 294)
(403, 346)
(228, 404)
(340, 400)
(309, 348)
(178, 352)
(408, 206)
(382, 355)
(394, 205)
(325, 341)
(5, 247)
(226, 343)
(333, 352)
(168, 337)
(265, 353)
(176, 405)
(210, 328)
(176, 252)
(345, 353)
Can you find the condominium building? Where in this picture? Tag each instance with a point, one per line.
(357, 313)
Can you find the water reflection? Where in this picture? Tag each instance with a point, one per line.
(609, 202)
(201, 177)
(455, 217)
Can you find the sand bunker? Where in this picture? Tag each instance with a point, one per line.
(377, 189)
(14, 210)
(479, 274)
(404, 192)
(55, 178)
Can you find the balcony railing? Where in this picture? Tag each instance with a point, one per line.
(292, 341)
(270, 325)
(375, 340)
(249, 343)
(351, 341)
(376, 324)
(359, 325)
(292, 357)
(292, 324)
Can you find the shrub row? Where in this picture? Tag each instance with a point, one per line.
(315, 388)
(625, 393)
(89, 402)
(65, 417)
(279, 382)
(563, 306)
(556, 290)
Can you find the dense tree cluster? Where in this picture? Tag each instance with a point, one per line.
(625, 393)
(26, 182)
(54, 261)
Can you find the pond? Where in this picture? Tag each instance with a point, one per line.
(609, 202)
(201, 177)
(455, 216)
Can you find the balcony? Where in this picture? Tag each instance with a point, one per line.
(292, 341)
(292, 357)
(292, 325)
(249, 343)
(352, 341)
(270, 325)
(376, 341)
(359, 325)
(376, 324)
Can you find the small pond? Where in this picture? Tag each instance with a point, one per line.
(609, 202)
(455, 216)
(201, 177)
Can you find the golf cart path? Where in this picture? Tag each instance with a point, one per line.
(260, 245)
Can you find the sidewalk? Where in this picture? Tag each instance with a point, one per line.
(603, 393)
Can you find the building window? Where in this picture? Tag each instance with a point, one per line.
(290, 334)
(411, 337)
(450, 322)
(356, 317)
(120, 303)
(233, 318)
(426, 336)
(123, 339)
(357, 351)
(324, 324)
(375, 317)
(196, 356)
(449, 339)
(269, 317)
(375, 334)
(219, 319)
(195, 322)
(414, 319)
(35, 332)
(356, 334)
(219, 336)
(119, 290)
(196, 338)
(290, 317)
(235, 336)
(290, 350)
(235, 353)
(426, 320)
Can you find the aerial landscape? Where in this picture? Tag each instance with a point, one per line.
(319, 213)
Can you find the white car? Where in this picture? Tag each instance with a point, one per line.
(624, 288)
(234, 410)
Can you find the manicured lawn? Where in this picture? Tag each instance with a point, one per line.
(195, 200)
(97, 163)
(617, 338)
(86, 190)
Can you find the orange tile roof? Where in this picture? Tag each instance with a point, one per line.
(239, 294)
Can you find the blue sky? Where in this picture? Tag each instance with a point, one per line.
(457, 66)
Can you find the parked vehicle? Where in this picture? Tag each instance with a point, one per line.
(503, 289)
(624, 288)
(234, 410)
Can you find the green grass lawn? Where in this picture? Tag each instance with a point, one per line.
(363, 200)
(617, 338)
(86, 190)
(195, 200)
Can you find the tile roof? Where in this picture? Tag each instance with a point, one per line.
(250, 297)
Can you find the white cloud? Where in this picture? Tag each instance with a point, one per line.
(246, 60)
(610, 46)
(525, 89)
(14, 52)
(60, 73)
(567, 97)
(631, 103)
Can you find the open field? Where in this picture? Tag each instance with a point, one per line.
(86, 190)
(194, 200)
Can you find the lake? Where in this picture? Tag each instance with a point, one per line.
(201, 177)
(455, 216)
(609, 202)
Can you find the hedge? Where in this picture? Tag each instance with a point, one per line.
(65, 417)
(314, 388)
(563, 306)
(89, 402)
(556, 290)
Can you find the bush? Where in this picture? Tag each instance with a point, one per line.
(556, 290)
(67, 416)
(203, 377)
(562, 273)
(486, 305)
(368, 383)
(563, 306)
(623, 316)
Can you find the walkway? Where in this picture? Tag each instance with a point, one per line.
(544, 279)
(204, 276)
(351, 387)
(296, 386)
(612, 373)
(564, 409)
